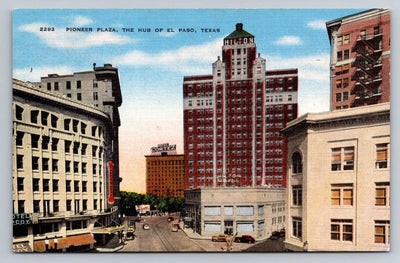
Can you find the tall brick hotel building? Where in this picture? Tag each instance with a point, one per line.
(233, 118)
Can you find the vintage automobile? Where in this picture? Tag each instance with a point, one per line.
(220, 238)
(245, 239)
(146, 226)
(130, 233)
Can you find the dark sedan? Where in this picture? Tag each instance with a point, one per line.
(245, 239)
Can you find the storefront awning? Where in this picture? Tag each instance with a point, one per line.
(78, 240)
(107, 230)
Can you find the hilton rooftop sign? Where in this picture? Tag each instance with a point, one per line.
(163, 148)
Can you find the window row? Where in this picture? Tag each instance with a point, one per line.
(43, 185)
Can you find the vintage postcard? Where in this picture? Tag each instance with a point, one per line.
(201, 130)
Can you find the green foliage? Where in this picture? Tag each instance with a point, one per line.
(165, 204)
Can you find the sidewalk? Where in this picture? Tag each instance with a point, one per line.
(191, 233)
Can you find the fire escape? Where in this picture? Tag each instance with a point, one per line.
(368, 66)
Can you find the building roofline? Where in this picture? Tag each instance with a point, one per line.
(330, 116)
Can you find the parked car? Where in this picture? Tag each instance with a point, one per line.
(219, 238)
(275, 235)
(245, 239)
(170, 218)
(175, 227)
(130, 233)
(146, 226)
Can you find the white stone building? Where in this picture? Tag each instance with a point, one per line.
(256, 211)
(63, 152)
(339, 180)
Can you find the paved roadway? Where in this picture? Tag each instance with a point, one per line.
(159, 238)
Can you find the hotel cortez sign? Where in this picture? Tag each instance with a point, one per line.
(165, 147)
(111, 194)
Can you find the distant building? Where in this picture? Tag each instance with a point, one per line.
(64, 168)
(232, 119)
(256, 211)
(339, 180)
(165, 171)
(360, 59)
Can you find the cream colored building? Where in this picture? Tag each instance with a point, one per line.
(62, 149)
(339, 180)
(256, 211)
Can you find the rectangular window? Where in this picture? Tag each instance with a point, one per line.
(83, 128)
(68, 85)
(84, 186)
(67, 124)
(345, 96)
(339, 56)
(49, 86)
(346, 154)
(338, 97)
(45, 164)
(245, 210)
(95, 96)
(381, 155)
(46, 185)
(76, 186)
(69, 205)
(67, 146)
(228, 210)
(56, 205)
(342, 229)
(342, 194)
(36, 206)
(338, 83)
(68, 186)
(78, 84)
(345, 82)
(346, 39)
(54, 144)
(20, 184)
(297, 192)
(44, 117)
(34, 116)
(35, 163)
(75, 125)
(79, 96)
(54, 165)
(297, 227)
(382, 232)
(340, 40)
(67, 166)
(212, 226)
(212, 210)
(54, 121)
(76, 148)
(36, 183)
(45, 142)
(346, 54)
(245, 227)
(55, 85)
(18, 112)
(83, 149)
(382, 194)
(20, 161)
(76, 167)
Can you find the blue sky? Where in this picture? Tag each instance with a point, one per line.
(152, 64)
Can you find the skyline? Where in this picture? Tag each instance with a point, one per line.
(152, 64)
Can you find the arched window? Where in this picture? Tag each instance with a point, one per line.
(297, 163)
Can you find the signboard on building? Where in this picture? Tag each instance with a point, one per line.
(22, 219)
(163, 148)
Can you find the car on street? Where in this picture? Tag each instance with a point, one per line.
(245, 239)
(275, 235)
(146, 226)
(282, 233)
(170, 218)
(220, 238)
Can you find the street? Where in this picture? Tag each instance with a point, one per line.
(160, 238)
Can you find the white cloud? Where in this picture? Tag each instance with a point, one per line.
(74, 40)
(187, 60)
(82, 21)
(288, 41)
(317, 24)
(33, 73)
